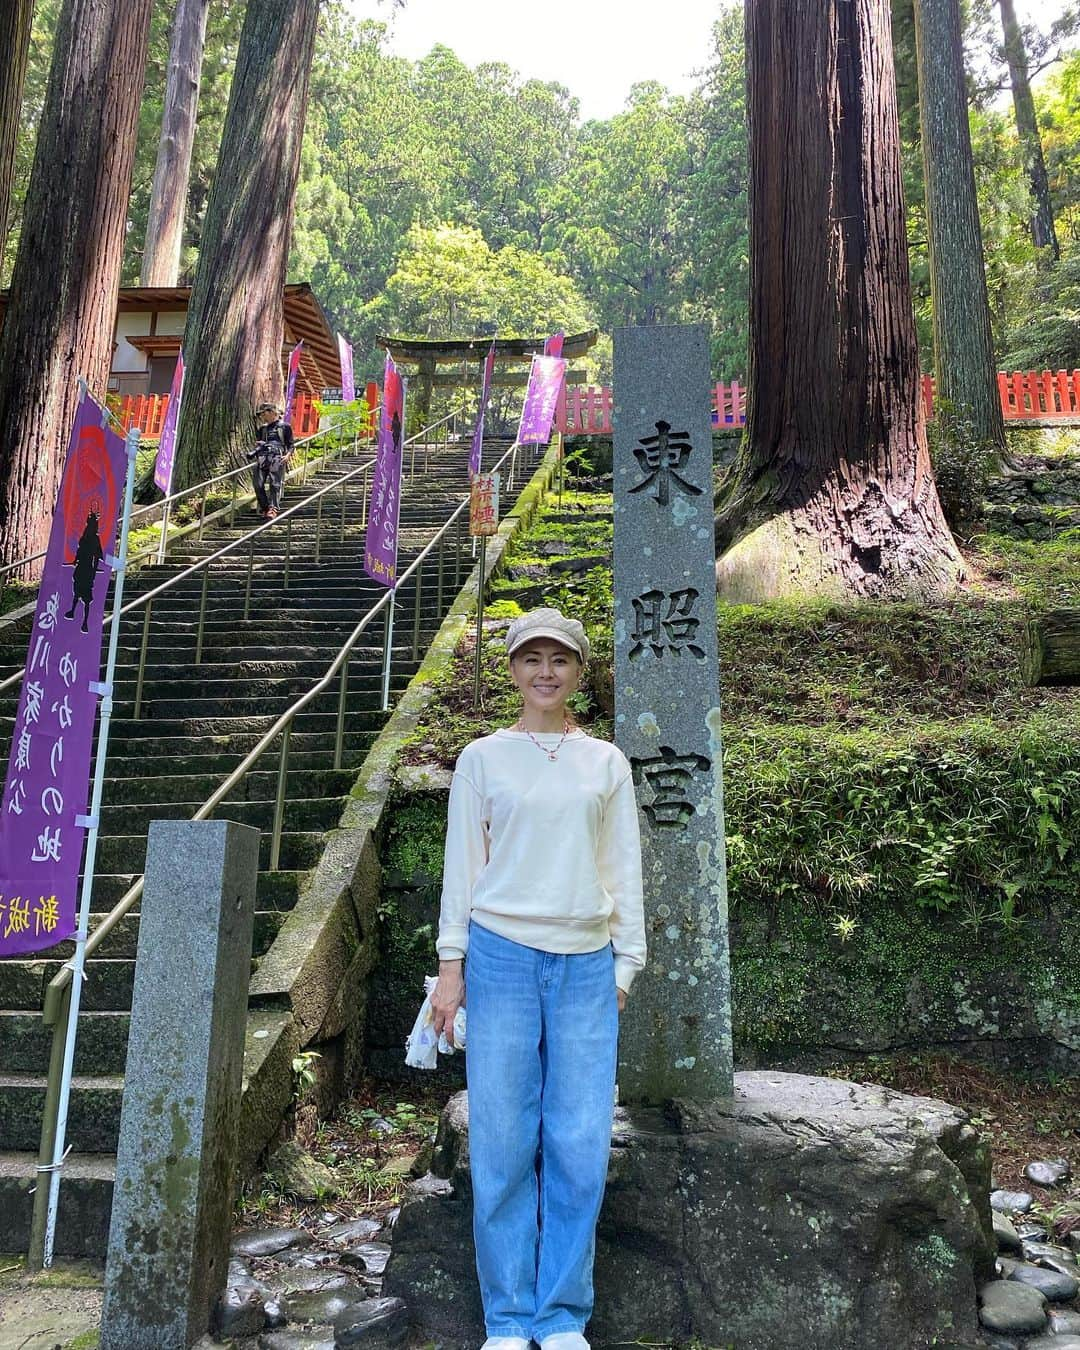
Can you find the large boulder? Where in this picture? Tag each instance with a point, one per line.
(805, 1211)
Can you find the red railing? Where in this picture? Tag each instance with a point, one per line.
(1038, 397)
(147, 411)
(585, 410)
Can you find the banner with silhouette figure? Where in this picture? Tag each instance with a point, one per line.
(381, 544)
(42, 816)
(553, 346)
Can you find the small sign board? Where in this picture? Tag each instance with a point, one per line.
(484, 504)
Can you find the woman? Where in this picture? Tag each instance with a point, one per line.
(542, 903)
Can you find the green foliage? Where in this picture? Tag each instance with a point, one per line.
(304, 1073)
(961, 464)
(449, 282)
(969, 820)
(1049, 337)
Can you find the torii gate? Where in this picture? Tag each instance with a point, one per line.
(427, 354)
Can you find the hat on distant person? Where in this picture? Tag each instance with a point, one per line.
(269, 407)
(547, 623)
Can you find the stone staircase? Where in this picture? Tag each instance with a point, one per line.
(196, 724)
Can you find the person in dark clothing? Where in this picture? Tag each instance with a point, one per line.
(271, 453)
(88, 558)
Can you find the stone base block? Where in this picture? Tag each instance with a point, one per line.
(804, 1212)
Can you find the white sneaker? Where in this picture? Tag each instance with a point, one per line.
(506, 1343)
(565, 1340)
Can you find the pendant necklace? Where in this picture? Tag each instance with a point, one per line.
(552, 754)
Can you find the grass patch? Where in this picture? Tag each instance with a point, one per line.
(1043, 575)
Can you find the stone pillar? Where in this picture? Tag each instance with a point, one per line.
(176, 1161)
(675, 1038)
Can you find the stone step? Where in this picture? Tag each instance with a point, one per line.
(276, 891)
(217, 733)
(220, 665)
(306, 751)
(257, 786)
(101, 1046)
(82, 1227)
(316, 813)
(107, 987)
(93, 1115)
(168, 708)
(254, 693)
(122, 942)
(127, 853)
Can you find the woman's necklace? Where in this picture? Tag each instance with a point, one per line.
(551, 754)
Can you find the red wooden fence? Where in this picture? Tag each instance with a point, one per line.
(1039, 397)
(147, 411)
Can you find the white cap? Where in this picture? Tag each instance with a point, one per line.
(547, 623)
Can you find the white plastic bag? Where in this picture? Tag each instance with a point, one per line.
(422, 1047)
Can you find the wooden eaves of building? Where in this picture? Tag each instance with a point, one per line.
(149, 328)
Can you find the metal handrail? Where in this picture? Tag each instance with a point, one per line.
(123, 906)
(178, 496)
(285, 516)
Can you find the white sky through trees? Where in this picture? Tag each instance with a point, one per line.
(597, 48)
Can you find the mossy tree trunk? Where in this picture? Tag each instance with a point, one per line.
(235, 322)
(832, 492)
(62, 307)
(963, 346)
(15, 21)
(165, 222)
(1043, 231)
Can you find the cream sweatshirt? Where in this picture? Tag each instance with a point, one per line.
(546, 853)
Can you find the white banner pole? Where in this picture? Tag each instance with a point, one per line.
(389, 651)
(78, 962)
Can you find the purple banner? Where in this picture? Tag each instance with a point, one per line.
(348, 380)
(380, 549)
(541, 397)
(47, 785)
(166, 453)
(485, 391)
(290, 392)
(553, 346)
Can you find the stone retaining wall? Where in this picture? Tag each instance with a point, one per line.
(1037, 498)
(916, 980)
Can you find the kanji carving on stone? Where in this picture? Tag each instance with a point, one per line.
(657, 631)
(661, 457)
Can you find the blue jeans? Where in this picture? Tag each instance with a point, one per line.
(542, 1039)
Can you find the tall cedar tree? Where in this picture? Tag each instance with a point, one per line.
(963, 346)
(235, 320)
(165, 223)
(15, 17)
(832, 492)
(1027, 128)
(62, 307)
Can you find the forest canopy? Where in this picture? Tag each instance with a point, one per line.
(639, 218)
